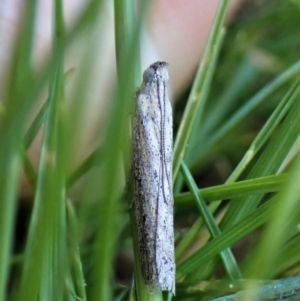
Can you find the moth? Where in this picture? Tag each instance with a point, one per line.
(152, 177)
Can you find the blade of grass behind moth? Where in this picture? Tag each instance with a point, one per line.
(226, 239)
(16, 106)
(254, 102)
(125, 22)
(124, 27)
(270, 160)
(226, 255)
(110, 173)
(192, 107)
(278, 230)
(44, 264)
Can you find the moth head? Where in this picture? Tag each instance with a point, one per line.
(148, 75)
(156, 71)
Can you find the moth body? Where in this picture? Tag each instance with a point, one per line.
(152, 173)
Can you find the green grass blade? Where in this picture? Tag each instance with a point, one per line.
(266, 131)
(270, 160)
(35, 125)
(253, 103)
(125, 23)
(226, 255)
(223, 192)
(85, 166)
(229, 191)
(245, 75)
(288, 289)
(31, 134)
(8, 194)
(226, 239)
(44, 264)
(278, 230)
(188, 238)
(110, 173)
(15, 110)
(257, 144)
(39, 118)
(290, 256)
(29, 169)
(74, 254)
(192, 107)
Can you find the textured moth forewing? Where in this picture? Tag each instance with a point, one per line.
(152, 173)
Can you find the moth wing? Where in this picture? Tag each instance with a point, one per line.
(165, 229)
(146, 172)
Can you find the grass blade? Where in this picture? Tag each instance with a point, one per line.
(44, 266)
(270, 160)
(226, 239)
(253, 103)
(192, 106)
(15, 110)
(229, 191)
(226, 255)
